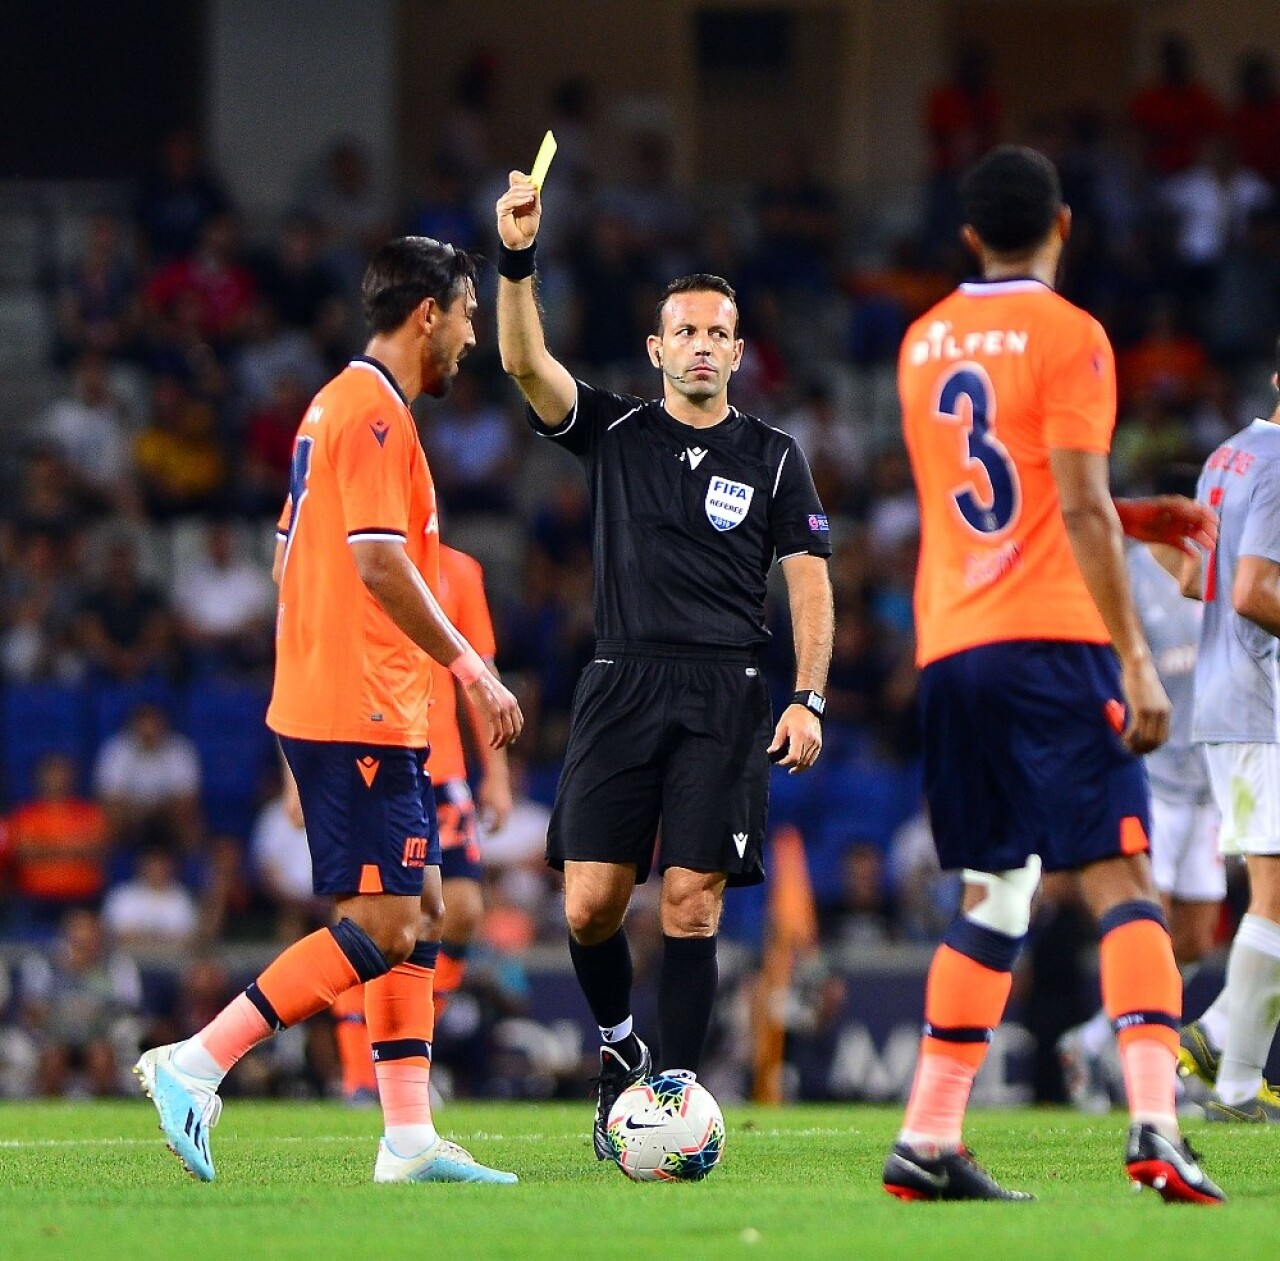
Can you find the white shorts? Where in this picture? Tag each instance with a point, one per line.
(1246, 786)
(1185, 861)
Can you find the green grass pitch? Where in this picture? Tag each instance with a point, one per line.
(95, 1181)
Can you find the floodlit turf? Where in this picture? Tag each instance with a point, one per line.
(95, 1181)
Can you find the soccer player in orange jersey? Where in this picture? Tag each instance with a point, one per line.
(1037, 685)
(461, 596)
(357, 559)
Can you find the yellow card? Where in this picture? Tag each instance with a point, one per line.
(542, 163)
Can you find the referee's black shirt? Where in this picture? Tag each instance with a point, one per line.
(687, 521)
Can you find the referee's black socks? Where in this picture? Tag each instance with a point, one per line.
(686, 992)
(605, 975)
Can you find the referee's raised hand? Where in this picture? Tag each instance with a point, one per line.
(519, 212)
(797, 739)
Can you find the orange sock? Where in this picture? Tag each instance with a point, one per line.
(1142, 993)
(301, 981)
(964, 1002)
(451, 967)
(352, 1037)
(400, 1013)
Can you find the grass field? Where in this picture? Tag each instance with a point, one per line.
(95, 1181)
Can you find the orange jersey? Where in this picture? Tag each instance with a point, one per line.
(344, 670)
(990, 380)
(461, 596)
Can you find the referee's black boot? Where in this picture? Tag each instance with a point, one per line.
(615, 1076)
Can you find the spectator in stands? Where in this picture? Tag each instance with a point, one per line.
(45, 501)
(1176, 113)
(125, 628)
(294, 278)
(282, 864)
(57, 847)
(610, 279)
(147, 778)
(81, 1004)
(273, 352)
(179, 199)
(39, 603)
(964, 117)
(925, 897)
(350, 210)
(212, 279)
(562, 529)
(152, 914)
(267, 456)
(1167, 363)
(473, 446)
(799, 227)
(1242, 316)
(1254, 122)
(89, 431)
(836, 446)
(225, 606)
(99, 307)
(179, 460)
(658, 220)
(445, 210)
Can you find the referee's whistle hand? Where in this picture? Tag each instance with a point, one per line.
(498, 707)
(798, 737)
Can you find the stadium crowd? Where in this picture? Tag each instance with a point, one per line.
(143, 821)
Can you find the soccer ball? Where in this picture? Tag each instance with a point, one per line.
(666, 1129)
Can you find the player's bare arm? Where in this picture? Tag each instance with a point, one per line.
(1186, 567)
(403, 594)
(1097, 542)
(1255, 592)
(799, 730)
(494, 793)
(545, 382)
(1169, 520)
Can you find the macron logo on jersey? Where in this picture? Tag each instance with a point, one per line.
(380, 430)
(727, 503)
(695, 456)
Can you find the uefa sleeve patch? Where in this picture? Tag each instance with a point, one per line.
(818, 521)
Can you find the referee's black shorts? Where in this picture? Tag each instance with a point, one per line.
(670, 741)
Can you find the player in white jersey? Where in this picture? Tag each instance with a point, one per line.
(1185, 863)
(1237, 719)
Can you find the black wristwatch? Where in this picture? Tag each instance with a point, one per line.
(814, 702)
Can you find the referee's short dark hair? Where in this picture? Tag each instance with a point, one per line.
(408, 270)
(1010, 198)
(699, 282)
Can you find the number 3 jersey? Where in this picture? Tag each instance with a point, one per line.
(344, 671)
(992, 378)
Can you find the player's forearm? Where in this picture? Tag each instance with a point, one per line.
(812, 619)
(1255, 594)
(543, 380)
(1097, 542)
(403, 595)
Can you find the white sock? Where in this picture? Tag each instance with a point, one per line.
(409, 1140)
(192, 1060)
(1095, 1033)
(1253, 980)
(616, 1033)
(1215, 1020)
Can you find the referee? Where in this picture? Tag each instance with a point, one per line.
(671, 728)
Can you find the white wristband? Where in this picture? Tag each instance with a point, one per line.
(468, 667)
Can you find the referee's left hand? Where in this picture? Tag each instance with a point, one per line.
(799, 732)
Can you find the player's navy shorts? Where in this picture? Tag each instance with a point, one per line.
(672, 740)
(1022, 757)
(459, 832)
(370, 813)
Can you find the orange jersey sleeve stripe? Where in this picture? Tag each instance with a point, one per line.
(990, 380)
(344, 670)
(461, 596)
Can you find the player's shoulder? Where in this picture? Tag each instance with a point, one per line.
(760, 433)
(362, 387)
(459, 568)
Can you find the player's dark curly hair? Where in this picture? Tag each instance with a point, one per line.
(407, 270)
(1010, 198)
(699, 282)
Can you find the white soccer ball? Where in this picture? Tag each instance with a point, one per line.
(666, 1129)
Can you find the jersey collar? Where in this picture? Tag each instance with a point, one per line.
(721, 426)
(383, 371)
(1007, 284)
